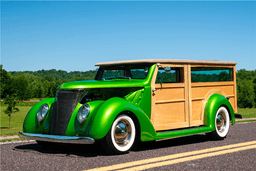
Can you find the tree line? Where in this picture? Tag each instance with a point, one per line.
(38, 84)
(43, 83)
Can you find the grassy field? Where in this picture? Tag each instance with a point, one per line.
(18, 118)
(247, 113)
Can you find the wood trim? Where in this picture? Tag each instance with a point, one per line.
(212, 84)
(198, 99)
(189, 100)
(235, 93)
(171, 61)
(161, 127)
(203, 98)
(170, 101)
(169, 85)
(197, 123)
(173, 65)
(214, 65)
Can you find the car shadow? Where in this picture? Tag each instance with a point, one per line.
(180, 141)
(79, 150)
(94, 150)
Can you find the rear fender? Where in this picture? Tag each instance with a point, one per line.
(211, 107)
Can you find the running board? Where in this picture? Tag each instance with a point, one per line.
(182, 132)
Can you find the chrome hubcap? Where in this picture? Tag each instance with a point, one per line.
(221, 121)
(122, 133)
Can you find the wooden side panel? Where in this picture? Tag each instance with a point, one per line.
(170, 94)
(197, 110)
(170, 113)
(232, 102)
(170, 101)
(201, 92)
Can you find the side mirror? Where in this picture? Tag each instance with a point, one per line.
(167, 69)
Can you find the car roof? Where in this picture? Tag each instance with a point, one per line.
(167, 61)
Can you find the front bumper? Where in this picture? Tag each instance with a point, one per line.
(57, 138)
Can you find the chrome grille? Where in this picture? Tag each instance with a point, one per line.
(62, 110)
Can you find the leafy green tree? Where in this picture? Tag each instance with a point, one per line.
(49, 78)
(52, 89)
(245, 93)
(46, 87)
(254, 88)
(40, 90)
(11, 101)
(6, 79)
(20, 86)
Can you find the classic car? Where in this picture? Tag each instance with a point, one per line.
(138, 100)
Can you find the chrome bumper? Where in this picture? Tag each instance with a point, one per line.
(57, 138)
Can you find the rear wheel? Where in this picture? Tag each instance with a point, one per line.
(222, 122)
(122, 135)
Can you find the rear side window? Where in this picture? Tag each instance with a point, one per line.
(211, 74)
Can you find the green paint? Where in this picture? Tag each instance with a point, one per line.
(109, 110)
(31, 124)
(182, 132)
(212, 106)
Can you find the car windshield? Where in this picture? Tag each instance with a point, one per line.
(122, 72)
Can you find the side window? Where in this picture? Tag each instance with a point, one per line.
(170, 75)
(211, 74)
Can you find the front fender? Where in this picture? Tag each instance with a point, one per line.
(110, 109)
(211, 107)
(31, 124)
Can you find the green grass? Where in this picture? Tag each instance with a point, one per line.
(14, 139)
(16, 120)
(247, 113)
(19, 104)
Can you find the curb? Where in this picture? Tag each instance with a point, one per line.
(246, 119)
(14, 142)
(9, 137)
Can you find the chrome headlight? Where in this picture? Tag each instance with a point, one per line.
(83, 113)
(42, 111)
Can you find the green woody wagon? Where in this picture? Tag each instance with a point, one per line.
(138, 100)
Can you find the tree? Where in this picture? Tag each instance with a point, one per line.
(254, 87)
(11, 101)
(245, 93)
(40, 90)
(6, 80)
(20, 86)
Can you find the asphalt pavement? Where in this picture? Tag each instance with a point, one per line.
(195, 152)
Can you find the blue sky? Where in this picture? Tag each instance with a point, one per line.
(73, 36)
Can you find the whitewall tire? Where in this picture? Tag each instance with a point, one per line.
(222, 123)
(121, 136)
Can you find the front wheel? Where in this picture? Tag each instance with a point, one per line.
(221, 124)
(121, 137)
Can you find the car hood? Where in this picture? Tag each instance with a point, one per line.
(102, 84)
